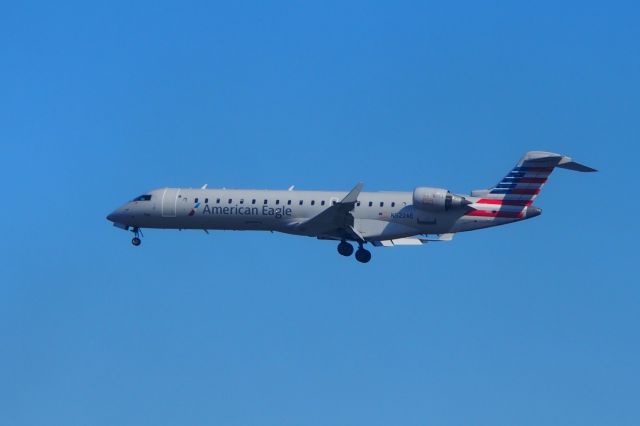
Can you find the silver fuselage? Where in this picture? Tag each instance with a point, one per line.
(376, 215)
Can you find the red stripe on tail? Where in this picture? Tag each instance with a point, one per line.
(530, 180)
(487, 213)
(504, 202)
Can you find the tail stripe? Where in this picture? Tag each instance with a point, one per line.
(524, 179)
(517, 191)
(518, 185)
(522, 182)
(533, 169)
(504, 202)
(486, 213)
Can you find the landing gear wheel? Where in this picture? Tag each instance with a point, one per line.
(345, 249)
(137, 233)
(363, 255)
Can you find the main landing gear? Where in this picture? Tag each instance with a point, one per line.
(362, 255)
(137, 232)
(345, 249)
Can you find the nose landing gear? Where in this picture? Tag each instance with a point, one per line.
(137, 232)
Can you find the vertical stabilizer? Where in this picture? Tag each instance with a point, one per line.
(513, 196)
(525, 181)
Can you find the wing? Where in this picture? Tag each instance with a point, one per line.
(336, 220)
(412, 241)
(408, 241)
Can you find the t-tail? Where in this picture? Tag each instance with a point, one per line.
(513, 196)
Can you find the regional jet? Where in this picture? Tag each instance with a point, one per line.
(382, 219)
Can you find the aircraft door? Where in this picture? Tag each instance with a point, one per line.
(169, 201)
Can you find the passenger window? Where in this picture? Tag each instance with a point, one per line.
(230, 200)
(393, 204)
(333, 203)
(381, 203)
(277, 201)
(322, 203)
(253, 201)
(265, 202)
(300, 202)
(313, 202)
(358, 204)
(370, 203)
(217, 200)
(289, 202)
(206, 201)
(241, 200)
(196, 200)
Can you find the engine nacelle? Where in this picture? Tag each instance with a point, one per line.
(437, 199)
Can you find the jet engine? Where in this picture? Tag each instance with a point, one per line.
(437, 199)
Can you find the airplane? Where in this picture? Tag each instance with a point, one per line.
(382, 219)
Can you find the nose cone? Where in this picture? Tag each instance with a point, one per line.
(113, 216)
(119, 215)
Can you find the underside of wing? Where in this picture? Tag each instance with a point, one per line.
(408, 241)
(412, 241)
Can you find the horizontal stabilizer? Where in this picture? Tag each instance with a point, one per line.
(567, 163)
(550, 159)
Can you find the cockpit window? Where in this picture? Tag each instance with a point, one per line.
(145, 197)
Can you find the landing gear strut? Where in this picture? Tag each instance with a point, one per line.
(136, 239)
(345, 249)
(363, 255)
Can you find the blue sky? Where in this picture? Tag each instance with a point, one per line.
(534, 323)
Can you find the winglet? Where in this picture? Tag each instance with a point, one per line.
(352, 196)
